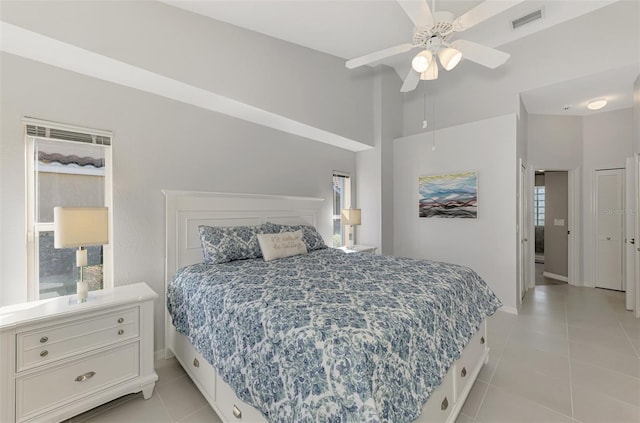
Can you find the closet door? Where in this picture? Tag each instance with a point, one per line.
(609, 215)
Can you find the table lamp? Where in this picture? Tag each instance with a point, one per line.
(350, 218)
(80, 227)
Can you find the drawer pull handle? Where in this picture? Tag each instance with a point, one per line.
(445, 404)
(44, 339)
(482, 340)
(463, 373)
(120, 320)
(44, 353)
(236, 412)
(85, 376)
(196, 363)
(120, 332)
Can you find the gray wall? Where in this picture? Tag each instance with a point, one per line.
(374, 177)
(280, 77)
(486, 244)
(555, 142)
(481, 93)
(636, 116)
(556, 246)
(163, 144)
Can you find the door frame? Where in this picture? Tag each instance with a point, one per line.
(573, 226)
(630, 213)
(524, 234)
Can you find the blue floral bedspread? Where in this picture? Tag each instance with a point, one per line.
(329, 336)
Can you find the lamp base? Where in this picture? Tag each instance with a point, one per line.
(73, 300)
(82, 290)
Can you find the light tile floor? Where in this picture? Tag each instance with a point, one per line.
(571, 355)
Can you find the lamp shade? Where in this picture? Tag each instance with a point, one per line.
(351, 216)
(431, 73)
(422, 61)
(449, 57)
(80, 226)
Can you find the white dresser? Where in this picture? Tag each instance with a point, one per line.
(59, 359)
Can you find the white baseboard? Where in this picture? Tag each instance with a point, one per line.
(510, 310)
(158, 355)
(556, 277)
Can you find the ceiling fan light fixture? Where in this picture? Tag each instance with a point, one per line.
(449, 57)
(597, 104)
(422, 61)
(431, 73)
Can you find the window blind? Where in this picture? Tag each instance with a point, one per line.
(51, 130)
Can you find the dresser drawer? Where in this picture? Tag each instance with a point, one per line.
(68, 382)
(232, 408)
(470, 359)
(440, 402)
(196, 365)
(56, 342)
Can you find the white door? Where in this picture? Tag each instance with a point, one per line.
(630, 232)
(609, 228)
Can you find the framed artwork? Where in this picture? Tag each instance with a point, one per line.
(453, 195)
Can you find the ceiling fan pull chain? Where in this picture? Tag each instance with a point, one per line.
(424, 109)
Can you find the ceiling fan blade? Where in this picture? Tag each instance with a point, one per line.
(378, 55)
(486, 56)
(418, 11)
(410, 82)
(485, 10)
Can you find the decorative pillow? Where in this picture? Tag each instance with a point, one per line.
(280, 245)
(312, 239)
(221, 244)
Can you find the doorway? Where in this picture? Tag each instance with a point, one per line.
(551, 223)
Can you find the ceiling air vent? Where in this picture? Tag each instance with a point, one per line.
(528, 18)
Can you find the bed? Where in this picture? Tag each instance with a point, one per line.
(322, 336)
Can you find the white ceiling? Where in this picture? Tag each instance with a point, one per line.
(352, 28)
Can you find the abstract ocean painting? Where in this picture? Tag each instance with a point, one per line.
(452, 195)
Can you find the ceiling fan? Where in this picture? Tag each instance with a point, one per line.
(433, 34)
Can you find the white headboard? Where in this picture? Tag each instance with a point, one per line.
(186, 210)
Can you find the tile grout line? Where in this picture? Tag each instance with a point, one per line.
(166, 409)
(206, 404)
(591, 363)
(530, 401)
(488, 383)
(629, 338)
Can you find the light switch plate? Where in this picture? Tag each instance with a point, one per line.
(558, 222)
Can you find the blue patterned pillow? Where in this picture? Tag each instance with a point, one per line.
(227, 243)
(312, 239)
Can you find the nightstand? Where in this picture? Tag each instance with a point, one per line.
(60, 358)
(359, 249)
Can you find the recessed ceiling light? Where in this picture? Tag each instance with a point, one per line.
(597, 104)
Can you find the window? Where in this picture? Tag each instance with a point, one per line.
(341, 200)
(66, 166)
(538, 202)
